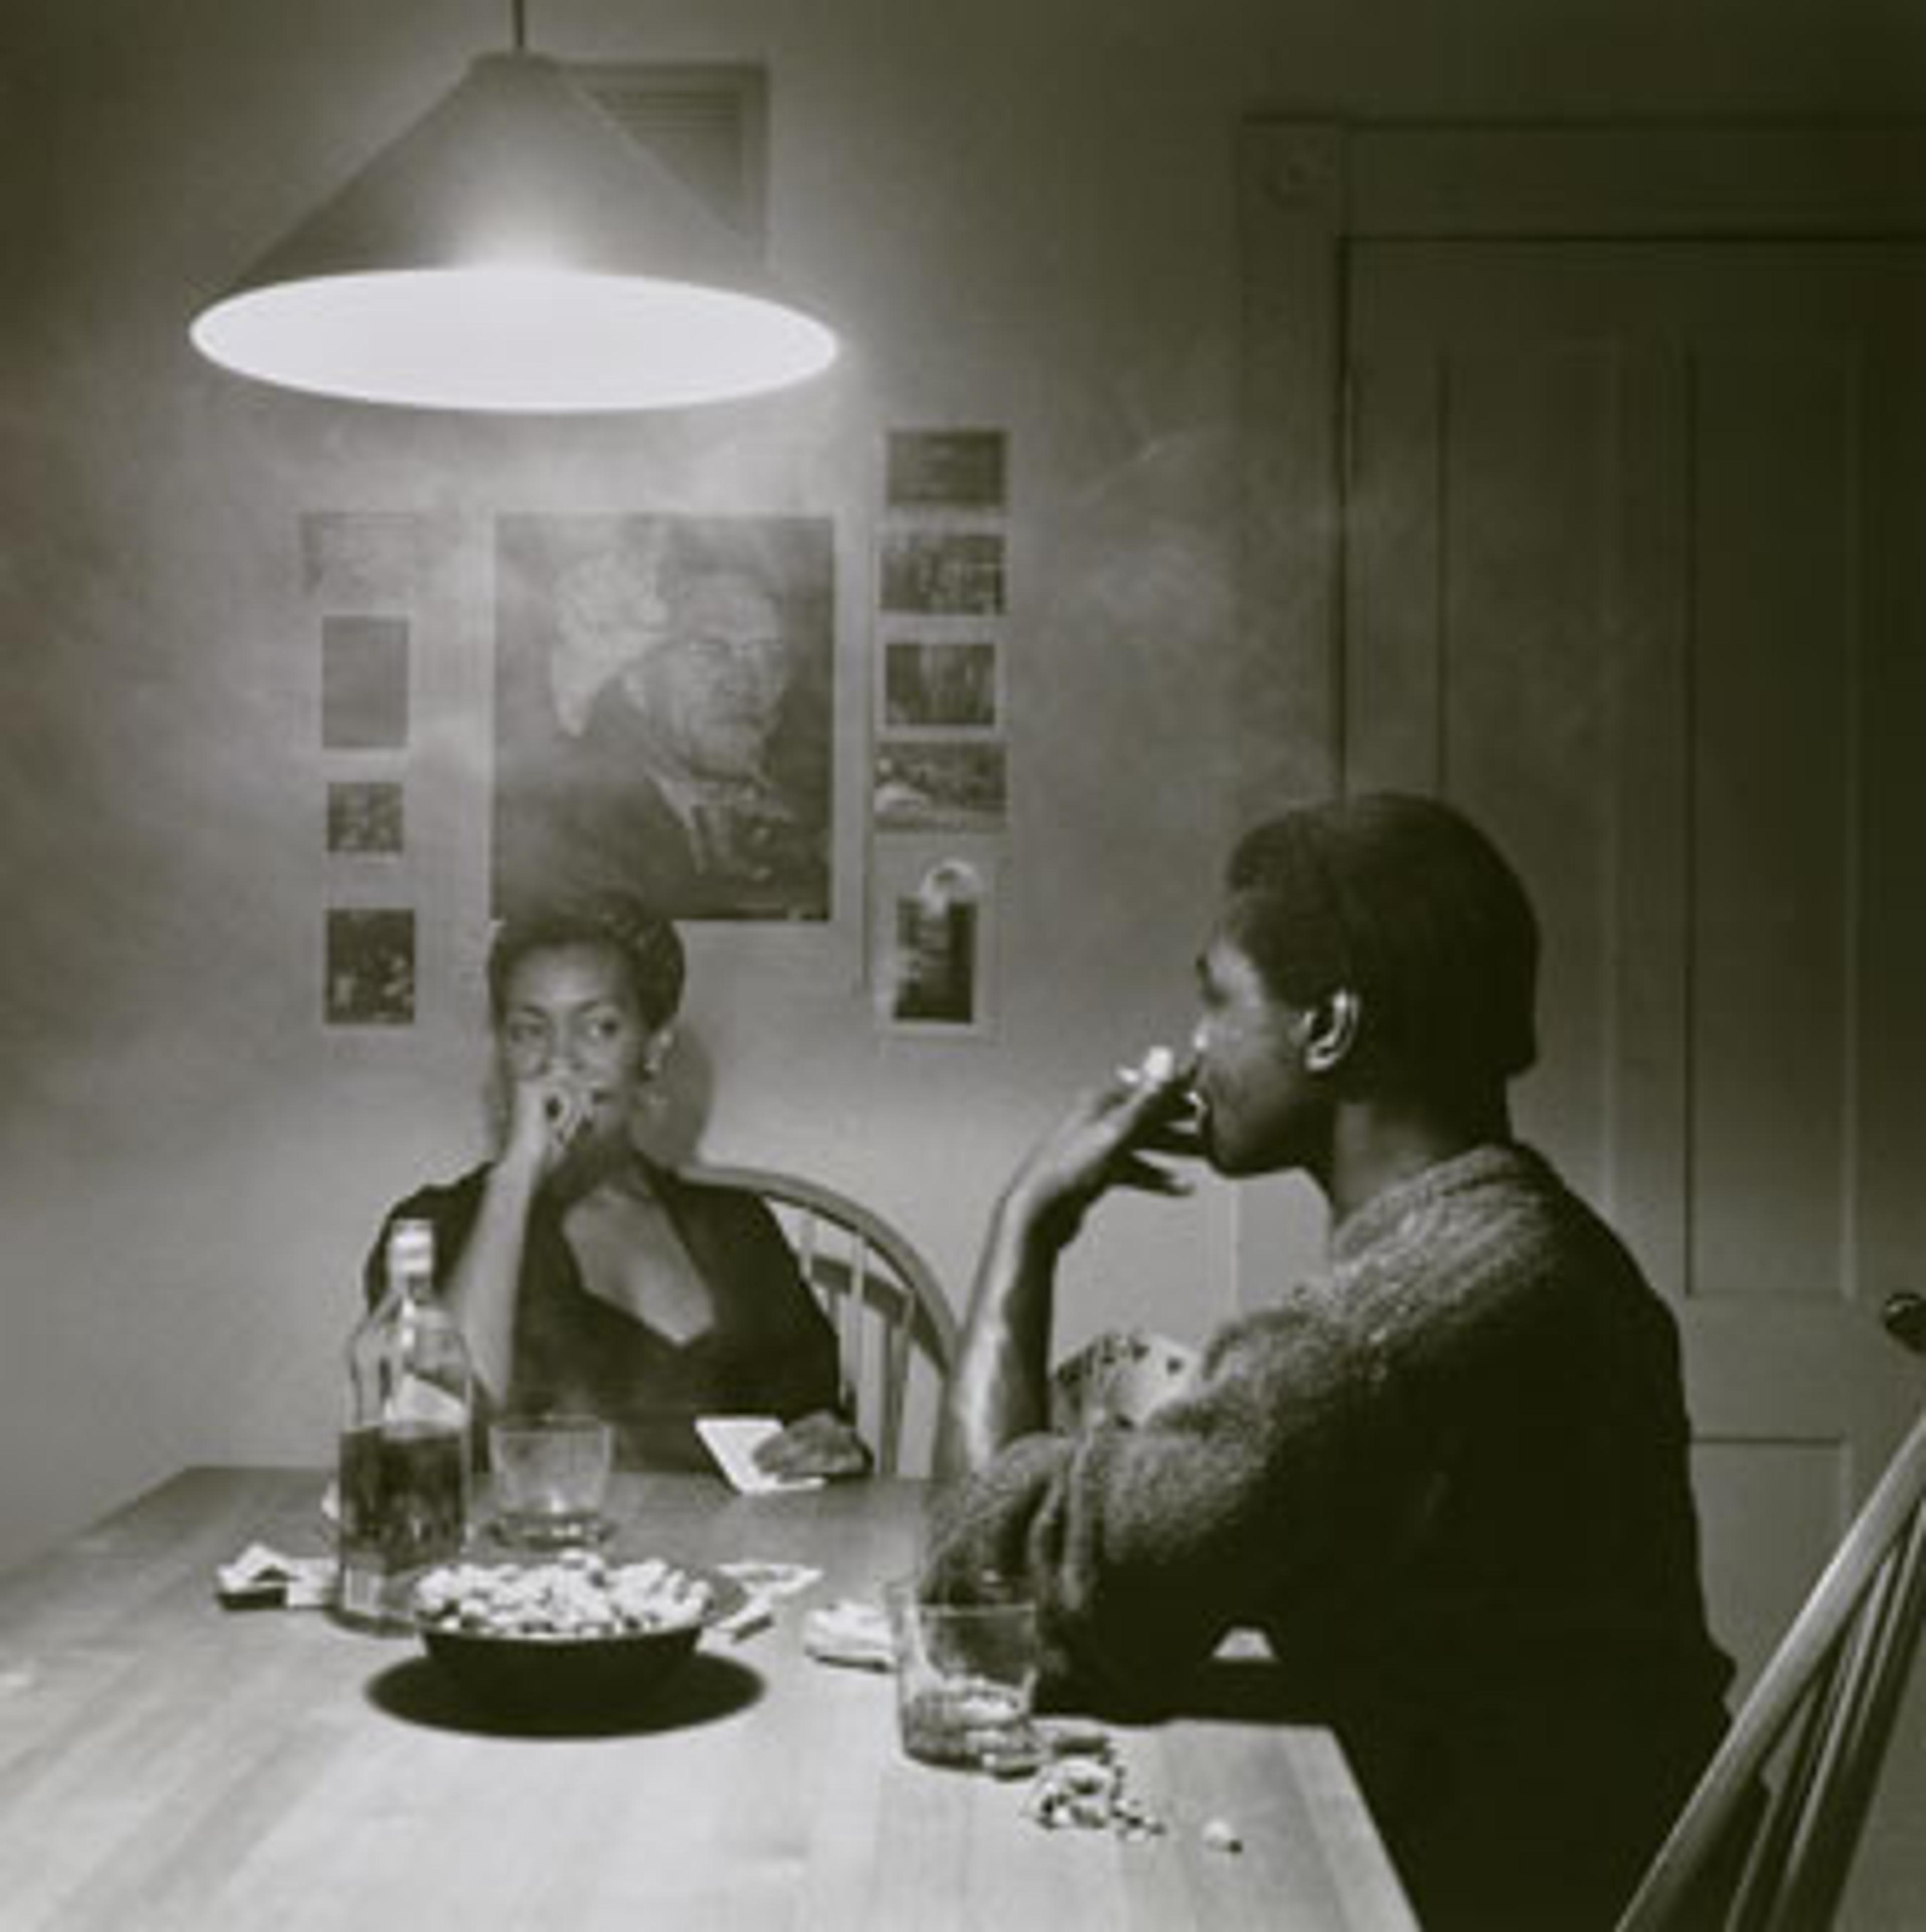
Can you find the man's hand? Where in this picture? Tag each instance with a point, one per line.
(999, 1388)
(1103, 1141)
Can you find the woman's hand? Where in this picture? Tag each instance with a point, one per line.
(818, 1445)
(1102, 1142)
(549, 1119)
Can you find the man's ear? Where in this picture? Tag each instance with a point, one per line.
(1331, 1031)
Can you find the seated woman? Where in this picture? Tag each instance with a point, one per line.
(585, 1276)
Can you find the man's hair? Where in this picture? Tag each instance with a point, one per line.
(649, 946)
(1404, 902)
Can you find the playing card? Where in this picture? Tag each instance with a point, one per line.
(732, 1440)
(1123, 1376)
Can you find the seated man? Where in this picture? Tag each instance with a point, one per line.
(1448, 1479)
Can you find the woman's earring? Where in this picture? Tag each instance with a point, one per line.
(657, 1055)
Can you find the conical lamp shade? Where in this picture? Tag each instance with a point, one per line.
(515, 251)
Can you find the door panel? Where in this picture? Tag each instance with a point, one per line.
(1777, 438)
(1483, 557)
(1634, 572)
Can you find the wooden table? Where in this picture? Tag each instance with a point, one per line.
(166, 1763)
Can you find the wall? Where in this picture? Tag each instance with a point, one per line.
(1024, 216)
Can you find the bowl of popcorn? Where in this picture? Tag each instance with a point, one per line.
(582, 1633)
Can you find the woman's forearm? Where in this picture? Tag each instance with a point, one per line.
(481, 1285)
(999, 1388)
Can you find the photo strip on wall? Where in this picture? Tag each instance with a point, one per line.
(938, 782)
(361, 574)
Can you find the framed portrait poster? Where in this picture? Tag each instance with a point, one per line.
(663, 708)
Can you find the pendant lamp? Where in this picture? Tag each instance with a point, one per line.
(515, 251)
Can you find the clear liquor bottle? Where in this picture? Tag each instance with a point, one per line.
(402, 1480)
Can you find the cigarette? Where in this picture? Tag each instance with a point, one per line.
(1157, 1066)
(1161, 1070)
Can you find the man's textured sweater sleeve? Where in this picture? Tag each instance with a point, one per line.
(1269, 1487)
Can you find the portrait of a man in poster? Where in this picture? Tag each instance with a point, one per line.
(664, 689)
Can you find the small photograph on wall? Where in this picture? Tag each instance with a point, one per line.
(928, 785)
(364, 816)
(370, 968)
(664, 700)
(938, 685)
(944, 469)
(363, 683)
(942, 573)
(933, 971)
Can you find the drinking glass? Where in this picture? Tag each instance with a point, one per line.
(551, 1477)
(966, 1675)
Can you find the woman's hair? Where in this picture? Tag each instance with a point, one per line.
(1404, 902)
(649, 945)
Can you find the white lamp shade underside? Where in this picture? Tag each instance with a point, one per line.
(525, 339)
(513, 251)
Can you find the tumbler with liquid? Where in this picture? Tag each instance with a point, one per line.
(551, 1475)
(404, 1476)
(966, 1674)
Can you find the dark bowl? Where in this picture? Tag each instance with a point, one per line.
(568, 1677)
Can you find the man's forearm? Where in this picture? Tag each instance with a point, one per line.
(999, 1388)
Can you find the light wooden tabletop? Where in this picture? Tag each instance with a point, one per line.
(167, 1763)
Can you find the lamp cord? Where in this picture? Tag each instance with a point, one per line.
(518, 8)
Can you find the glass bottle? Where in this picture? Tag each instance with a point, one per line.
(403, 1477)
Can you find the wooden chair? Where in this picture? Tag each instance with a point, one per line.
(1812, 1731)
(868, 1276)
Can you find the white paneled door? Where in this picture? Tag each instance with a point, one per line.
(1586, 486)
(1635, 570)
(1636, 550)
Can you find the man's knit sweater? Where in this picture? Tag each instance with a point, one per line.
(1449, 1481)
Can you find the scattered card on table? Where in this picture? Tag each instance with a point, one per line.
(763, 1577)
(263, 1578)
(849, 1632)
